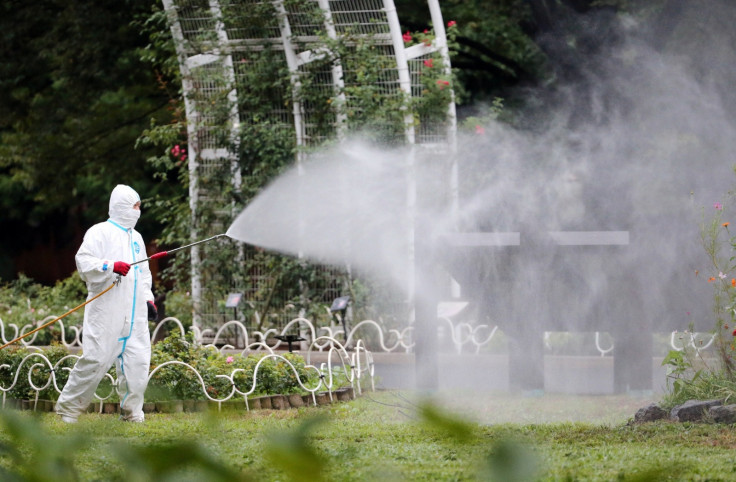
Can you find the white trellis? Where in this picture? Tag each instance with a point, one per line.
(215, 40)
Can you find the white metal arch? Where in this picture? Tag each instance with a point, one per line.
(205, 45)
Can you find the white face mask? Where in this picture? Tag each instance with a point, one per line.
(129, 217)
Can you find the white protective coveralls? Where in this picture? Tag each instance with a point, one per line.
(116, 324)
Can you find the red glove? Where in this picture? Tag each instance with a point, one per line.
(121, 267)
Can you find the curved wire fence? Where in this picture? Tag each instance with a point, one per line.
(463, 337)
(340, 368)
(346, 356)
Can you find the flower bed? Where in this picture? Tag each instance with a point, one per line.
(187, 376)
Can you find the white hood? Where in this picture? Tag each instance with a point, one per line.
(122, 200)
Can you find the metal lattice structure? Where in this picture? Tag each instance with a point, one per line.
(223, 44)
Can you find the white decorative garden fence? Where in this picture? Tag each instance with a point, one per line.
(350, 358)
(354, 366)
(463, 336)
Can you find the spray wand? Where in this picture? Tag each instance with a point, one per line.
(160, 254)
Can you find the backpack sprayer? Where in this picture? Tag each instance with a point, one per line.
(160, 254)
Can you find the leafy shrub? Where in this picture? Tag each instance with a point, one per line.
(179, 305)
(176, 381)
(11, 359)
(24, 302)
(694, 374)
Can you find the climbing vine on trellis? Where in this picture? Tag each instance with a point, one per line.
(265, 145)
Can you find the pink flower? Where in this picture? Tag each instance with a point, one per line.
(183, 157)
(175, 150)
(407, 37)
(717, 205)
(443, 83)
(451, 23)
(425, 31)
(479, 129)
(429, 63)
(229, 359)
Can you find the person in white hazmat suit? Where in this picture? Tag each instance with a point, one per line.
(115, 326)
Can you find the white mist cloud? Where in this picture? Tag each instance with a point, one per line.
(639, 142)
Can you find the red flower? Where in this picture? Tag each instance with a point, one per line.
(407, 37)
(451, 23)
(429, 63)
(734, 333)
(443, 83)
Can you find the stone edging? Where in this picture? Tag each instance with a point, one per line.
(712, 411)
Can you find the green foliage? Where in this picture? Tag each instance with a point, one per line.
(511, 460)
(293, 452)
(178, 382)
(11, 359)
(174, 382)
(77, 97)
(693, 374)
(41, 374)
(717, 238)
(370, 438)
(458, 429)
(179, 305)
(168, 461)
(34, 454)
(24, 302)
(700, 385)
(492, 47)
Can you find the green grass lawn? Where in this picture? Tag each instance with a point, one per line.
(383, 436)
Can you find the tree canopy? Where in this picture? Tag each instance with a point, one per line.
(77, 95)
